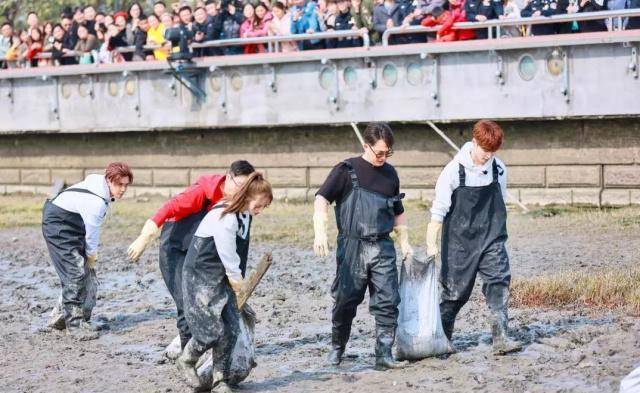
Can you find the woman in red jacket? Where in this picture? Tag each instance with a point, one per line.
(445, 19)
(179, 218)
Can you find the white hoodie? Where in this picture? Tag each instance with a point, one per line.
(91, 208)
(475, 176)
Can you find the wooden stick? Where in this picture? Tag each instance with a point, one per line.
(254, 279)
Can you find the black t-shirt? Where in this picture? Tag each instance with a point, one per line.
(383, 180)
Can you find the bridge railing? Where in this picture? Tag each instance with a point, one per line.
(510, 22)
(273, 42)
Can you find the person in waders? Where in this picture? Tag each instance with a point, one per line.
(175, 222)
(71, 224)
(212, 277)
(470, 214)
(366, 190)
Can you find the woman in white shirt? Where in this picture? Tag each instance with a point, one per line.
(212, 277)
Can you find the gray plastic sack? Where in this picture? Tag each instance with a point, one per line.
(631, 383)
(243, 356)
(420, 333)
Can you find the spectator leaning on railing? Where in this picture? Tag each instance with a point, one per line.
(482, 10)
(386, 16)
(6, 42)
(362, 11)
(281, 25)
(304, 19)
(87, 43)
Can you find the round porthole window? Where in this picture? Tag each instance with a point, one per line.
(65, 90)
(130, 87)
(414, 74)
(555, 63)
(527, 67)
(390, 74)
(327, 76)
(236, 81)
(113, 88)
(83, 89)
(350, 76)
(215, 82)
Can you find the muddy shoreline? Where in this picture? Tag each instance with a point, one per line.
(570, 350)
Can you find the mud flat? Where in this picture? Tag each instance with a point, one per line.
(576, 349)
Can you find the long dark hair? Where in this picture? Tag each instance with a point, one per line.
(254, 186)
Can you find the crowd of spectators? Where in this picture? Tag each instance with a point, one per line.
(83, 35)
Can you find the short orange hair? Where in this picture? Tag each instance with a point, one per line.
(118, 170)
(488, 135)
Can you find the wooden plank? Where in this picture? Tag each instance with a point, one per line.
(254, 279)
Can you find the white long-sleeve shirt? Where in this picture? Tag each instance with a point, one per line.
(475, 176)
(224, 231)
(91, 208)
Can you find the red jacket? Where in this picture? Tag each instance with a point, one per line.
(461, 16)
(446, 20)
(191, 200)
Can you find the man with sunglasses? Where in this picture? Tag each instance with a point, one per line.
(366, 190)
(469, 210)
(176, 222)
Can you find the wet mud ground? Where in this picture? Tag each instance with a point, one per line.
(574, 349)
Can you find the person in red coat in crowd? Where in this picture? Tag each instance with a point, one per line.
(176, 222)
(445, 19)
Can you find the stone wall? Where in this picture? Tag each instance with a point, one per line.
(595, 162)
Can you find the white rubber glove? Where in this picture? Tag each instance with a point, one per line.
(434, 230)
(149, 232)
(402, 234)
(320, 242)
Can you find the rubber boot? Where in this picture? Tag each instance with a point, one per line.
(502, 344)
(56, 318)
(219, 384)
(448, 313)
(186, 363)
(174, 349)
(335, 355)
(338, 344)
(385, 337)
(78, 328)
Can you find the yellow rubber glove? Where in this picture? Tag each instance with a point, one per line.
(149, 232)
(91, 261)
(320, 242)
(237, 287)
(434, 230)
(402, 234)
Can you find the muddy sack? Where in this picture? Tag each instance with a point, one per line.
(242, 357)
(420, 333)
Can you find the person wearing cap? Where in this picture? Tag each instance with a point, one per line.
(470, 216)
(176, 222)
(71, 223)
(369, 207)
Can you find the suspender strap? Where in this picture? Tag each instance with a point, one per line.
(461, 175)
(497, 171)
(83, 191)
(352, 173)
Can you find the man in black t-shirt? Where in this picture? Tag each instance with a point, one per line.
(366, 190)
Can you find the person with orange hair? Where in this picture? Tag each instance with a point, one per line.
(71, 224)
(469, 212)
